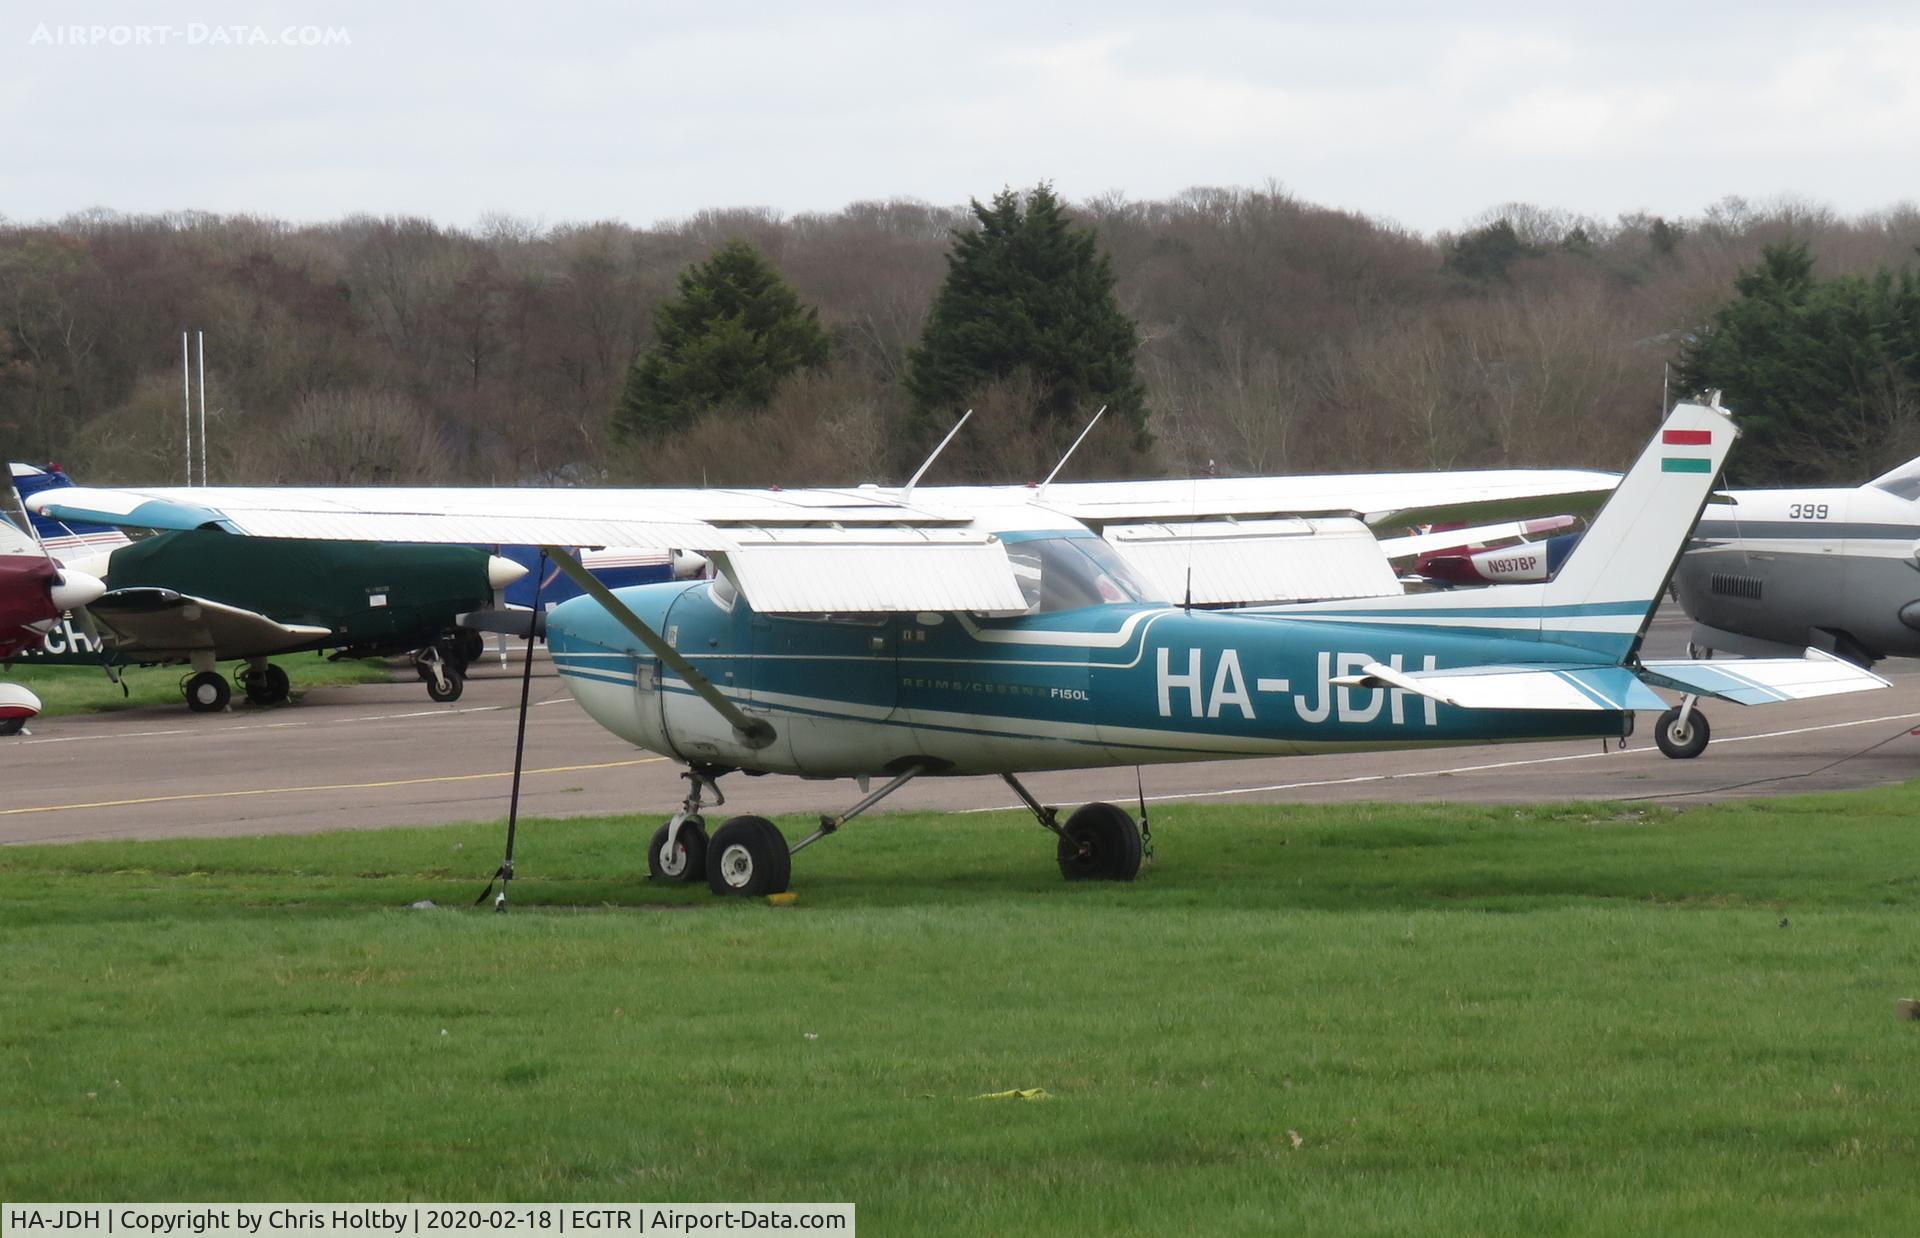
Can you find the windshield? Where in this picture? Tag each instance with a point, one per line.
(1903, 482)
(1065, 573)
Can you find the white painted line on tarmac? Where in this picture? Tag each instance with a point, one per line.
(1476, 769)
(120, 736)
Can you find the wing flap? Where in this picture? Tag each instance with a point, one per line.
(1242, 563)
(160, 622)
(1762, 681)
(794, 571)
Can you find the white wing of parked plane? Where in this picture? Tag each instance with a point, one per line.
(864, 547)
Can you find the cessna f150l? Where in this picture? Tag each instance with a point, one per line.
(992, 630)
(1834, 568)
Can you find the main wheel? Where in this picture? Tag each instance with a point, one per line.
(468, 645)
(1100, 842)
(456, 683)
(266, 687)
(748, 856)
(688, 859)
(12, 726)
(1682, 742)
(206, 692)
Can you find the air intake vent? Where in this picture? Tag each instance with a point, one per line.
(1727, 585)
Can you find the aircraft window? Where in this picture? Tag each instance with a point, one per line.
(1902, 482)
(1063, 573)
(722, 592)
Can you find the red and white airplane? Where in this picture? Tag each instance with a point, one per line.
(33, 592)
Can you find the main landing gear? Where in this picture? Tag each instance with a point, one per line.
(1099, 842)
(444, 669)
(748, 856)
(1682, 732)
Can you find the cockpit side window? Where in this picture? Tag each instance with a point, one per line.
(1066, 573)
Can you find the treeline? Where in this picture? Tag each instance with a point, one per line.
(1272, 336)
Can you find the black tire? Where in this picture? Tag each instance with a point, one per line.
(449, 647)
(206, 692)
(1100, 842)
(12, 726)
(468, 645)
(748, 856)
(691, 853)
(1682, 745)
(456, 684)
(266, 687)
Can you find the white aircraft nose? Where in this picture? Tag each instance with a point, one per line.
(689, 566)
(502, 572)
(74, 589)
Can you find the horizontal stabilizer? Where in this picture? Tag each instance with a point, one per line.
(1569, 687)
(1761, 681)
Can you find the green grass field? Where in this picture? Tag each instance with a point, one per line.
(1385, 1020)
(86, 689)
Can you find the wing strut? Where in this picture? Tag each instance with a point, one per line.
(753, 732)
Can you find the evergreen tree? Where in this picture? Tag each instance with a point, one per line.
(1028, 294)
(1822, 375)
(725, 342)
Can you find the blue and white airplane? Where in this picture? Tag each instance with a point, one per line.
(883, 634)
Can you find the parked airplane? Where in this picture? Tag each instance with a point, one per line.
(1834, 568)
(33, 592)
(1504, 555)
(989, 630)
(202, 598)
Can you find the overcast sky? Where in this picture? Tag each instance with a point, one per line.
(1419, 113)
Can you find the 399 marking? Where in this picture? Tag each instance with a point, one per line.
(1806, 511)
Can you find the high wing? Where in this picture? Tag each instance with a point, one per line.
(161, 623)
(870, 548)
(1383, 500)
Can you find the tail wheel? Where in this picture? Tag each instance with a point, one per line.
(1681, 741)
(206, 692)
(1100, 842)
(748, 856)
(687, 861)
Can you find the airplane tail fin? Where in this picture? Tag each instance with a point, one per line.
(1624, 559)
(1603, 597)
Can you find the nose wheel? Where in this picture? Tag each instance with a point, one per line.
(748, 856)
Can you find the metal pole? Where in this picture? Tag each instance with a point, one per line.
(186, 400)
(202, 340)
(519, 750)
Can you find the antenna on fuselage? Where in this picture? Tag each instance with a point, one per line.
(1042, 492)
(906, 495)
